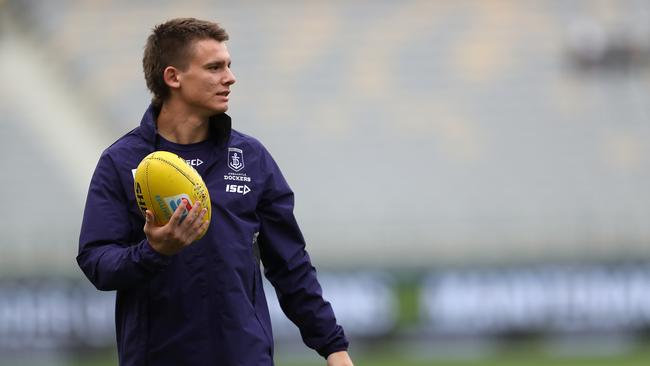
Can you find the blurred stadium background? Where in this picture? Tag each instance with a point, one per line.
(469, 174)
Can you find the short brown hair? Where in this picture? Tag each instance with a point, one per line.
(170, 44)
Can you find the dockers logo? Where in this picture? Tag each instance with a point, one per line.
(235, 159)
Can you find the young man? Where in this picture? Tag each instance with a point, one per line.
(182, 301)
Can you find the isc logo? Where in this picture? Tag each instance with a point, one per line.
(233, 188)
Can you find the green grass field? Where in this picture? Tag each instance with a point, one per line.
(510, 357)
(504, 359)
(394, 360)
(400, 354)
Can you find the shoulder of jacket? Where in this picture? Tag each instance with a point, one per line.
(127, 148)
(239, 138)
(130, 141)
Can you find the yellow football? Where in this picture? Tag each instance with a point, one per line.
(162, 180)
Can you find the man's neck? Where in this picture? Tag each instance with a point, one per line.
(181, 126)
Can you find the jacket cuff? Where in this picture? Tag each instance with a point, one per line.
(338, 346)
(151, 259)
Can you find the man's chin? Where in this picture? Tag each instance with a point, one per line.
(218, 110)
(221, 109)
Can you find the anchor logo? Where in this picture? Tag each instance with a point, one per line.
(235, 159)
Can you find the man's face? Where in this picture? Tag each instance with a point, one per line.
(205, 84)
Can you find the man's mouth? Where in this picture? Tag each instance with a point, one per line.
(224, 93)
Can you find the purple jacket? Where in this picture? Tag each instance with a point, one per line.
(205, 305)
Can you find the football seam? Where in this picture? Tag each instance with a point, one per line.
(146, 178)
(175, 167)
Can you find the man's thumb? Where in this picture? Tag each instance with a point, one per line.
(148, 217)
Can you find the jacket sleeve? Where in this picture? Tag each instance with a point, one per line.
(109, 255)
(288, 267)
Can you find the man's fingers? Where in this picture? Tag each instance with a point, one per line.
(199, 219)
(204, 224)
(198, 227)
(178, 213)
(194, 213)
(184, 226)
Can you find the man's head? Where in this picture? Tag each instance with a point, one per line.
(188, 57)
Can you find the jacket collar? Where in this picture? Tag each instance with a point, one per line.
(220, 126)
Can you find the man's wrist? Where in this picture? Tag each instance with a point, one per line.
(339, 358)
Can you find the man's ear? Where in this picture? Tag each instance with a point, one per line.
(172, 77)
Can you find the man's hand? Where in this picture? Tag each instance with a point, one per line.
(339, 359)
(176, 234)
